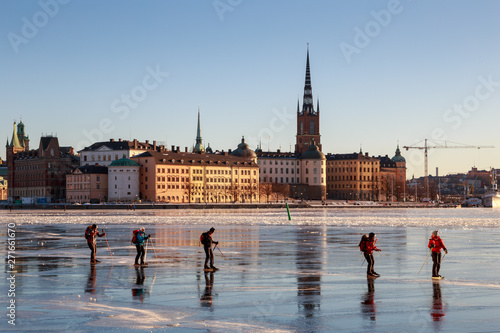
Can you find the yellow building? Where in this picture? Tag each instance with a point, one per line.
(183, 177)
(352, 176)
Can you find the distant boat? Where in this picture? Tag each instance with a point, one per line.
(492, 197)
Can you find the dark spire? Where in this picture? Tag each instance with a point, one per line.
(307, 103)
(198, 148)
(317, 108)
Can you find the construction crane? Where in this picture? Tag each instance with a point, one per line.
(427, 147)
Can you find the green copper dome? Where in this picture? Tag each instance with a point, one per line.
(398, 158)
(243, 150)
(125, 162)
(313, 153)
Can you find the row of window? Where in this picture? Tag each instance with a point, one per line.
(351, 169)
(263, 162)
(101, 157)
(351, 178)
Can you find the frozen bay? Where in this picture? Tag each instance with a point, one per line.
(303, 275)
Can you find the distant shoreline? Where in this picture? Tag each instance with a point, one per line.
(282, 205)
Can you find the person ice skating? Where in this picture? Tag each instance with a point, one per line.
(207, 241)
(91, 235)
(436, 245)
(367, 246)
(140, 238)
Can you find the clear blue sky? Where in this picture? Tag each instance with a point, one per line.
(384, 71)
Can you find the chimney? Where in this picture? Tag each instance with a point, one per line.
(111, 140)
(147, 141)
(154, 144)
(366, 154)
(229, 151)
(173, 148)
(178, 149)
(135, 144)
(119, 140)
(185, 149)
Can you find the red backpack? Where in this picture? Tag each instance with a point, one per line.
(88, 231)
(134, 237)
(362, 243)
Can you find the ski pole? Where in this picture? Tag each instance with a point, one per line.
(146, 252)
(154, 250)
(106, 238)
(425, 261)
(443, 257)
(219, 250)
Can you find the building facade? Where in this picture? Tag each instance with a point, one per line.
(392, 177)
(39, 175)
(183, 177)
(87, 184)
(353, 176)
(123, 180)
(105, 152)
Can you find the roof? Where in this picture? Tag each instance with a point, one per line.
(313, 153)
(353, 156)
(124, 162)
(243, 150)
(119, 145)
(195, 159)
(398, 157)
(93, 169)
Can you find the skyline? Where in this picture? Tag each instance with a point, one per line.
(396, 71)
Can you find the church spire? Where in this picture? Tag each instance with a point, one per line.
(198, 148)
(15, 139)
(307, 104)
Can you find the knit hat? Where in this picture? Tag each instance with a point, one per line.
(435, 232)
(212, 229)
(142, 228)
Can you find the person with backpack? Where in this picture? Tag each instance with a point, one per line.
(91, 234)
(436, 245)
(207, 241)
(367, 246)
(139, 239)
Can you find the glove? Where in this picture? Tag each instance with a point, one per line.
(149, 236)
(432, 246)
(378, 250)
(216, 243)
(445, 251)
(104, 234)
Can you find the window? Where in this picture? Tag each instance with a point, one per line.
(311, 127)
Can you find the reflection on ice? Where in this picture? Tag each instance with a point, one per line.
(273, 276)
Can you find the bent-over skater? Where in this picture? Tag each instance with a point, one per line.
(207, 241)
(91, 235)
(367, 246)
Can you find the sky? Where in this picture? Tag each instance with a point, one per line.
(385, 72)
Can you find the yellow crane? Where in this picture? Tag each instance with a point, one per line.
(426, 147)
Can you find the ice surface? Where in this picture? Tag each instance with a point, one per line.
(303, 275)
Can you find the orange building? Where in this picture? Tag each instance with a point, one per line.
(183, 177)
(352, 176)
(87, 184)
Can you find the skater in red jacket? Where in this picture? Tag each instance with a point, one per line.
(436, 245)
(367, 246)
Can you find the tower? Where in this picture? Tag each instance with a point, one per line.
(307, 118)
(198, 148)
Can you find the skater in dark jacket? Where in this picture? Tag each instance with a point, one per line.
(91, 235)
(140, 238)
(436, 245)
(207, 241)
(367, 245)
